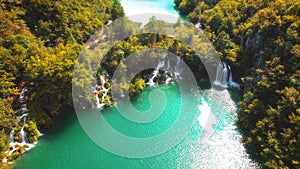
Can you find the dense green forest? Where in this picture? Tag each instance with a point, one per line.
(39, 44)
(260, 39)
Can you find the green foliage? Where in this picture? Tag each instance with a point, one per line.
(15, 155)
(138, 86)
(65, 21)
(5, 166)
(39, 44)
(32, 134)
(185, 6)
(261, 40)
(40, 117)
(3, 143)
(6, 116)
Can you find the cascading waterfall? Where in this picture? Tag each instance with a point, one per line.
(155, 72)
(22, 118)
(22, 132)
(224, 76)
(168, 78)
(103, 87)
(178, 68)
(231, 82)
(102, 90)
(11, 136)
(22, 135)
(98, 104)
(165, 62)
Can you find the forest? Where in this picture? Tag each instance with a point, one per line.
(39, 45)
(40, 42)
(260, 39)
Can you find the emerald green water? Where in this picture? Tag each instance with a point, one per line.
(66, 146)
(132, 7)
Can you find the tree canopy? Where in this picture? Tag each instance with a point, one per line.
(261, 40)
(39, 44)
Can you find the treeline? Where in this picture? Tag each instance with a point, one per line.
(115, 56)
(39, 44)
(260, 39)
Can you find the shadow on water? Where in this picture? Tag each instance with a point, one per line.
(204, 84)
(235, 95)
(61, 122)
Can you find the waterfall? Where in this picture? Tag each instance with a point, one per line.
(23, 97)
(98, 105)
(178, 68)
(23, 113)
(103, 87)
(11, 136)
(21, 116)
(224, 76)
(103, 90)
(22, 135)
(168, 78)
(231, 82)
(165, 62)
(155, 72)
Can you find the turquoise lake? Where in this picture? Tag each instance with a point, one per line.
(66, 146)
(133, 7)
